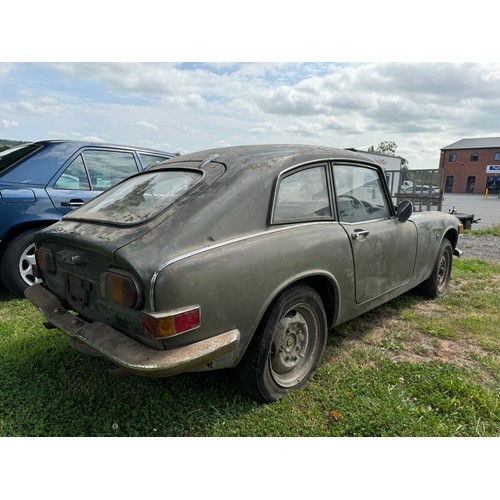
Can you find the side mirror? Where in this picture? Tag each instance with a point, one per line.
(404, 210)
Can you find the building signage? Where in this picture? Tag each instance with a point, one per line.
(493, 169)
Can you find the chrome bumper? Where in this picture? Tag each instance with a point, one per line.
(126, 352)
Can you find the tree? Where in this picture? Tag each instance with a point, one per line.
(389, 148)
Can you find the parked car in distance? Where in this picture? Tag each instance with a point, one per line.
(240, 257)
(426, 190)
(42, 181)
(406, 186)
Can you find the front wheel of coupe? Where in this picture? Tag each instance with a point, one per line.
(288, 346)
(438, 282)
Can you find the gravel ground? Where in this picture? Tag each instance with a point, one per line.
(479, 247)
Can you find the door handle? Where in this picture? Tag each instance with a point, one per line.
(359, 232)
(72, 203)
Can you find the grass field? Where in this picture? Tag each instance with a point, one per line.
(413, 367)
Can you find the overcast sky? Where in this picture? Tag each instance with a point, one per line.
(186, 106)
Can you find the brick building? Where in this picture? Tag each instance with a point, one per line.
(471, 166)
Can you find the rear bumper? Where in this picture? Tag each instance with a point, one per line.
(126, 352)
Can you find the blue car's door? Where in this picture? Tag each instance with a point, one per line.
(90, 173)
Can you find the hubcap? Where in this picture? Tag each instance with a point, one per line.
(443, 271)
(294, 344)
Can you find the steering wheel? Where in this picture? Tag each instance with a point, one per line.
(355, 212)
(354, 201)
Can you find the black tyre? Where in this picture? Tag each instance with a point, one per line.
(288, 346)
(16, 270)
(437, 284)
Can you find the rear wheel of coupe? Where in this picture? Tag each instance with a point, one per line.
(287, 347)
(437, 284)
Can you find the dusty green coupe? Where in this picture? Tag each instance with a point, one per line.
(236, 257)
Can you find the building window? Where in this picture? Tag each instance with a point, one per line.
(497, 156)
(474, 156)
(452, 157)
(449, 184)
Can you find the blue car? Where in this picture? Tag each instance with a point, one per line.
(42, 181)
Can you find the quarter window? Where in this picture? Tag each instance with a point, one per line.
(74, 177)
(107, 168)
(452, 157)
(497, 156)
(150, 160)
(474, 157)
(360, 194)
(303, 196)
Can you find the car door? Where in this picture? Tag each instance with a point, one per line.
(383, 248)
(88, 174)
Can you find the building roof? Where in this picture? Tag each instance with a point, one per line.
(475, 143)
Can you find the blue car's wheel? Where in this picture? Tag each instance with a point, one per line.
(17, 263)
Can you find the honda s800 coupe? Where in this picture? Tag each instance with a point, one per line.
(242, 257)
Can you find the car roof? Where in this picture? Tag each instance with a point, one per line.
(98, 144)
(273, 155)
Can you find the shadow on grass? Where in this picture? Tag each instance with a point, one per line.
(51, 390)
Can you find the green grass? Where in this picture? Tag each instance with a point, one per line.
(488, 231)
(413, 367)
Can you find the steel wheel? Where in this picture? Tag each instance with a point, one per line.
(287, 347)
(444, 271)
(294, 342)
(437, 283)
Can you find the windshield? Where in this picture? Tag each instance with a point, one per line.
(13, 155)
(139, 198)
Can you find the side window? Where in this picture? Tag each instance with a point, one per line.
(149, 160)
(360, 194)
(74, 177)
(107, 168)
(303, 195)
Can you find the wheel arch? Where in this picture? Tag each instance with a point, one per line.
(18, 229)
(452, 236)
(324, 285)
(329, 294)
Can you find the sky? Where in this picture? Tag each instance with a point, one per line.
(284, 72)
(184, 107)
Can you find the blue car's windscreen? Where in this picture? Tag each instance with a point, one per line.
(139, 198)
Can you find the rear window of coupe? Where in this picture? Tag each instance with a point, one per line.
(139, 198)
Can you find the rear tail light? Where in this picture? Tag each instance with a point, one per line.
(162, 325)
(121, 288)
(45, 260)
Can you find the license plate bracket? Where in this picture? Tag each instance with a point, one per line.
(78, 290)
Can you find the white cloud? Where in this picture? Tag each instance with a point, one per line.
(145, 125)
(93, 138)
(9, 123)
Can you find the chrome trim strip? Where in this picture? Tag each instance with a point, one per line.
(219, 245)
